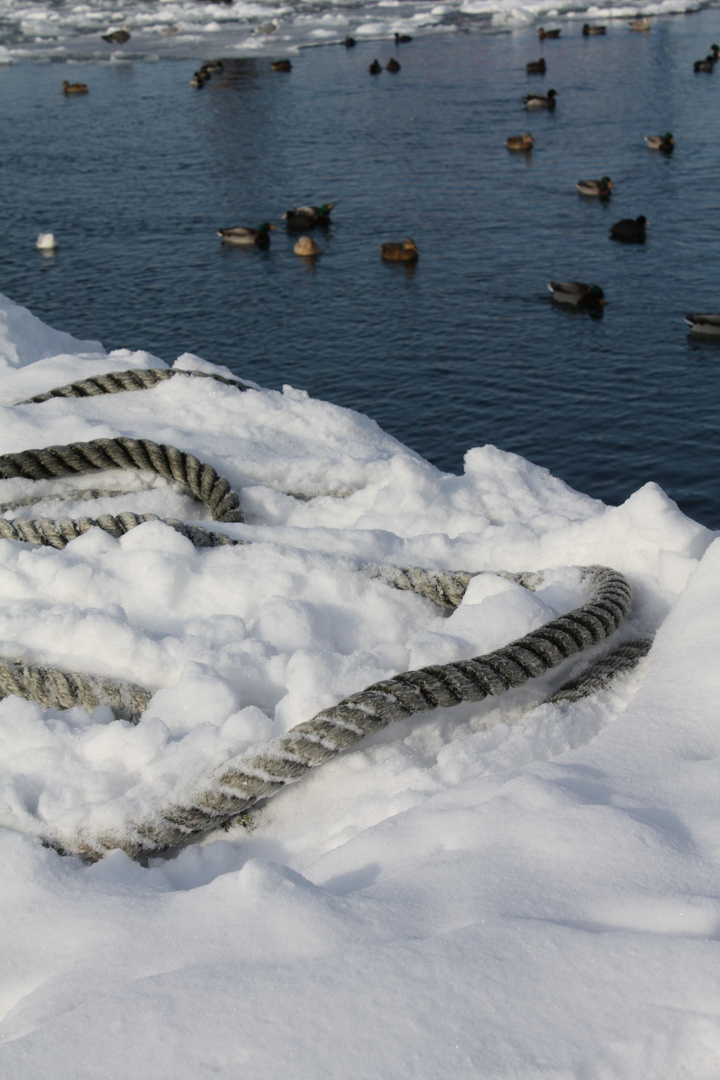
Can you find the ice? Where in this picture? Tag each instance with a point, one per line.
(510, 889)
(177, 29)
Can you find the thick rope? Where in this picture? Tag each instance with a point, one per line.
(200, 480)
(115, 382)
(55, 689)
(599, 675)
(242, 782)
(59, 532)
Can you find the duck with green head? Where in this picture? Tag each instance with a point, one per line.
(307, 217)
(664, 143)
(578, 294)
(242, 236)
(597, 188)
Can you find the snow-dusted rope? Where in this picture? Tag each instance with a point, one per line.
(240, 783)
(55, 689)
(115, 382)
(200, 480)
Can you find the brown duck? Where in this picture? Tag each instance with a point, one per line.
(403, 252)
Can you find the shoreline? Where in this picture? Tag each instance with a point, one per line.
(236, 45)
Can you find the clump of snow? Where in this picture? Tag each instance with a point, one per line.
(509, 889)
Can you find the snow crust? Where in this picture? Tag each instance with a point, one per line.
(63, 30)
(511, 889)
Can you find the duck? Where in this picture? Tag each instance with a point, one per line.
(643, 25)
(665, 143)
(46, 241)
(375, 68)
(307, 217)
(281, 65)
(403, 252)
(520, 142)
(629, 230)
(212, 67)
(198, 80)
(117, 37)
(402, 39)
(707, 65)
(589, 30)
(577, 293)
(74, 87)
(708, 325)
(537, 101)
(349, 42)
(244, 237)
(601, 187)
(392, 64)
(536, 67)
(307, 248)
(542, 34)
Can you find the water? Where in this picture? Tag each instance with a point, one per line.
(466, 348)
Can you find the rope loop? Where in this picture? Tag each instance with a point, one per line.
(243, 781)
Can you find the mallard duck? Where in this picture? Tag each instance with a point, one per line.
(629, 230)
(349, 42)
(404, 252)
(577, 293)
(537, 101)
(375, 68)
(542, 34)
(664, 143)
(599, 187)
(307, 247)
(281, 65)
(643, 25)
(709, 325)
(74, 87)
(244, 237)
(212, 67)
(589, 30)
(117, 37)
(536, 67)
(307, 217)
(402, 39)
(392, 64)
(46, 241)
(520, 142)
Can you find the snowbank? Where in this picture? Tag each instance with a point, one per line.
(510, 889)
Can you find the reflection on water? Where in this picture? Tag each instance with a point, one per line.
(465, 346)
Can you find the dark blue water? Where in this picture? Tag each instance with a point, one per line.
(467, 347)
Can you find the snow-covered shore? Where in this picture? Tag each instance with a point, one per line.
(508, 889)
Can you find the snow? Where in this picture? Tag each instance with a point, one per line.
(504, 890)
(60, 29)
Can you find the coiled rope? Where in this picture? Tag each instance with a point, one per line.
(242, 782)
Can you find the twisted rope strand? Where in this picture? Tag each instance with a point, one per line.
(199, 479)
(264, 772)
(115, 382)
